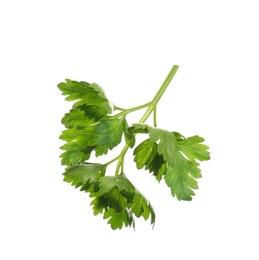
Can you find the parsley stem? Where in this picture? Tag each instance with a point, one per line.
(129, 110)
(118, 167)
(159, 94)
(151, 108)
(121, 160)
(113, 160)
(154, 117)
(165, 84)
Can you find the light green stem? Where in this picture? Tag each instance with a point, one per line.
(129, 110)
(121, 160)
(159, 94)
(154, 117)
(151, 108)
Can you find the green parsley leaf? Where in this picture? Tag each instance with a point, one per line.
(167, 144)
(142, 207)
(76, 119)
(79, 135)
(118, 219)
(79, 145)
(161, 154)
(100, 150)
(145, 153)
(181, 178)
(139, 128)
(109, 132)
(91, 98)
(107, 183)
(116, 196)
(167, 140)
(157, 166)
(84, 175)
(193, 149)
(75, 153)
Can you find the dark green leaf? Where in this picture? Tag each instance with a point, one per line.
(178, 136)
(157, 166)
(99, 204)
(117, 219)
(84, 174)
(145, 153)
(109, 132)
(137, 207)
(116, 200)
(116, 194)
(148, 211)
(142, 207)
(107, 183)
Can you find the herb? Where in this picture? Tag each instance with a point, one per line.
(93, 128)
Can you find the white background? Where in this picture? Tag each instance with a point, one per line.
(128, 47)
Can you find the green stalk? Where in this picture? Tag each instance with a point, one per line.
(151, 108)
(159, 94)
(121, 159)
(154, 117)
(129, 110)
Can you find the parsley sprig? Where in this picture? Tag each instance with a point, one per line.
(94, 126)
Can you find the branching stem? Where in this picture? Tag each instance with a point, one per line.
(130, 110)
(151, 108)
